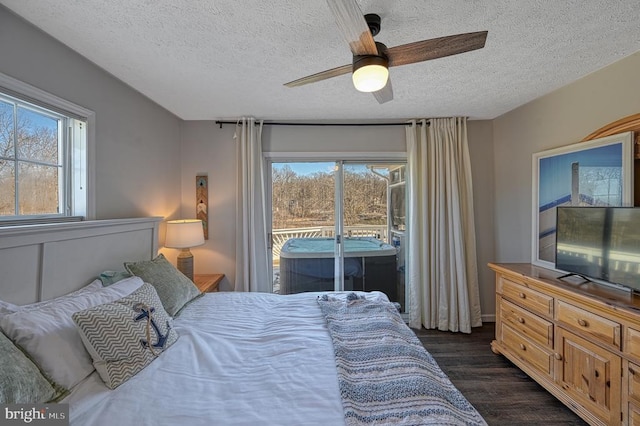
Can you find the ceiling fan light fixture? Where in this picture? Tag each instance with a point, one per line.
(370, 73)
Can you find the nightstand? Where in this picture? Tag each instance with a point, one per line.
(207, 283)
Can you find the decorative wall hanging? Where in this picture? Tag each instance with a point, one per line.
(202, 203)
(594, 173)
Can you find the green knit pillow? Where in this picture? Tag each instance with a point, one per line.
(21, 381)
(173, 287)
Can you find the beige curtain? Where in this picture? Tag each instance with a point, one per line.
(442, 271)
(252, 263)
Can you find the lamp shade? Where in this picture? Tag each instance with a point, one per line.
(184, 233)
(370, 73)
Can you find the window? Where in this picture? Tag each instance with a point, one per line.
(43, 157)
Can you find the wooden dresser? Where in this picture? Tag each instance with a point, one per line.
(581, 341)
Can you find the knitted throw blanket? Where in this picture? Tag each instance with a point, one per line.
(385, 374)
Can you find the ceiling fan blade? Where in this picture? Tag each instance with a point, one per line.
(353, 27)
(385, 94)
(435, 48)
(323, 75)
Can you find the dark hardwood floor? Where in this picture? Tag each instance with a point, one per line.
(499, 390)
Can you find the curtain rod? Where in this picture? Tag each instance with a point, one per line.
(277, 123)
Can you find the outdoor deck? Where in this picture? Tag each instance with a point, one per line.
(281, 236)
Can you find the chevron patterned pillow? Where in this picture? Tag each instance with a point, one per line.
(124, 336)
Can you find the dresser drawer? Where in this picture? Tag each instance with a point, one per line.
(601, 328)
(634, 382)
(529, 352)
(526, 323)
(531, 299)
(632, 343)
(634, 415)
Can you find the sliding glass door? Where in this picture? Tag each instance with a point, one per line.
(303, 226)
(338, 226)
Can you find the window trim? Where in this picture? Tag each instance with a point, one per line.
(41, 98)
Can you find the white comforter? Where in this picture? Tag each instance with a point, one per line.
(241, 359)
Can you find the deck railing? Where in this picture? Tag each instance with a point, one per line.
(281, 236)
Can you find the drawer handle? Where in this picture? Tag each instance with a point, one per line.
(557, 356)
(523, 347)
(521, 320)
(583, 323)
(523, 296)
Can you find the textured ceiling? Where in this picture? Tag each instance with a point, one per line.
(217, 59)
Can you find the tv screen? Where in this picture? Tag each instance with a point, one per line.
(600, 242)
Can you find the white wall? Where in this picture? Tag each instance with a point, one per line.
(562, 117)
(137, 170)
(210, 150)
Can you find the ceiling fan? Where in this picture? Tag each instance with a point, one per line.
(371, 59)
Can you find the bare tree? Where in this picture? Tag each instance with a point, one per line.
(309, 200)
(30, 150)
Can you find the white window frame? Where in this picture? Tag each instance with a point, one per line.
(79, 160)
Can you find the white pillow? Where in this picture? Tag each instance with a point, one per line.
(9, 308)
(49, 335)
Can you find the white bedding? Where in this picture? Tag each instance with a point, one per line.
(241, 359)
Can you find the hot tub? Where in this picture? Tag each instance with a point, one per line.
(307, 264)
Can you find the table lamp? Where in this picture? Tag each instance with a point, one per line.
(184, 234)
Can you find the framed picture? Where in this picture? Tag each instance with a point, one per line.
(594, 173)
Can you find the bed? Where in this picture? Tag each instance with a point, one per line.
(232, 358)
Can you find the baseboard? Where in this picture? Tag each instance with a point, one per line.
(488, 317)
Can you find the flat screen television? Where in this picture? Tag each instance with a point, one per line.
(602, 243)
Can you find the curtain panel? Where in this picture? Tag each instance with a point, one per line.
(442, 269)
(252, 263)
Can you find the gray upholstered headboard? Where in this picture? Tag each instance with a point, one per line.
(39, 262)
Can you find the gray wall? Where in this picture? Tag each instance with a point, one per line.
(209, 150)
(137, 170)
(480, 135)
(357, 139)
(560, 118)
